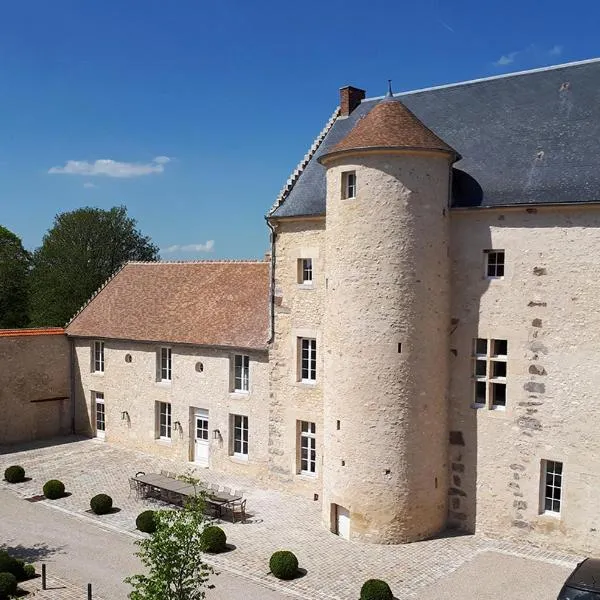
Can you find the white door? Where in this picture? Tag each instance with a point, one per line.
(201, 441)
(343, 522)
(100, 415)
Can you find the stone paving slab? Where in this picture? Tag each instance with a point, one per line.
(56, 589)
(336, 568)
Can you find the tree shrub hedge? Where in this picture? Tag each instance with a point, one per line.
(101, 504)
(14, 566)
(54, 489)
(213, 539)
(14, 474)
(8, 586)
(376, 589)
(284, 564)
(145, 521)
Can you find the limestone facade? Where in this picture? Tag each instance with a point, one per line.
(34, 385)
(202, 381)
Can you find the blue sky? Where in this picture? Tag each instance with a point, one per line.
(202, 109)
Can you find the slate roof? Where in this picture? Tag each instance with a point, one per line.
(207, 303)
(526, 138)
(390, 125)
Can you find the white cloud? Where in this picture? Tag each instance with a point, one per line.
(506, 59)
(207, 247)
(111, 168)
(555, 50)
(89, 184)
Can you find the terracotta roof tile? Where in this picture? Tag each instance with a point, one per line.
(32, 331)
(390, 125)
(212, 303)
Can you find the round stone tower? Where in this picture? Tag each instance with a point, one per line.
(386, 329)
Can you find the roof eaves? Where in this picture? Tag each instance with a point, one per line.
(30, 331)
(293, 178)
(86, 304)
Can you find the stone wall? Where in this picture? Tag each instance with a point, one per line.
(133, 387)
(546, 307)
(34, 385)
(298, 313)
(386, 347)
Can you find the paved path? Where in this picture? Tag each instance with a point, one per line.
(335, 567)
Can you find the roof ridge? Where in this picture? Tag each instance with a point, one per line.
(490, 78)
(293, 178)
(199, 261)
(85, 304)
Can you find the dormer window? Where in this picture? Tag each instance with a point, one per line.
(348, 185)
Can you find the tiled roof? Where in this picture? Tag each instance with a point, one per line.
(32, 331)
(525, 138)
(390, 125)
(206, 303)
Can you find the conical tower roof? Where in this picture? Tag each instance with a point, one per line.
(390, 125)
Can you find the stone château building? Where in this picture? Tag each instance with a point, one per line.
(421, 349)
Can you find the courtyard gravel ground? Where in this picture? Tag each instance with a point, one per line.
(447, 567)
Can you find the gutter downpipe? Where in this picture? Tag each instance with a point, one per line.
(272, 283)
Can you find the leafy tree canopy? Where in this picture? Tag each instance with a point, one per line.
(78, 254)
(14, 271)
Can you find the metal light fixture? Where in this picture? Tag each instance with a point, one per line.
(177, 425)
(124, 416)
(216, 434)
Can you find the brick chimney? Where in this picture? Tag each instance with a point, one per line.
(350, 98)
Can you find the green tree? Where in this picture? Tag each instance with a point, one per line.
(172, 556)
(14, 273)
(78, 254)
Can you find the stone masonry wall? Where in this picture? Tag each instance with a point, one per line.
(546, 307)
(298, 313)
(133, 387)
(34, 387)
(386, 347)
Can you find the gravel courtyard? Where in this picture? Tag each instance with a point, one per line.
(448, 567)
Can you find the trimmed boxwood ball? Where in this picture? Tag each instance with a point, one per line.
(284, 564)
(213, 539)
(54, 489)
(101, 504)
(14, 474)
(8, 585)
(29, 571)
(145, 521)
(14, 566)
(376, 589)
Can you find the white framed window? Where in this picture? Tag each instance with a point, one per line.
(163, 410)
(308, 360)
(241, 373)
(98, 357)
(490, 359)
(305, 271)
(308, 448)
(551, 487)
(494, 264)
(100, 414)
(240, 436)
(348, 185)
(165, 364)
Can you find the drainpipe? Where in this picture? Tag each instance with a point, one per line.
(272, 283)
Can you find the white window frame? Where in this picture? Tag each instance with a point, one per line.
(241, 365)
(165, 364)
(305, 271)
(494, 267)
(239, 435)
(307, 360)
(551, 487)
(348, 185)
(164, 414)
(98, 357)
(98, 398)
(307, 442)
(485, 365)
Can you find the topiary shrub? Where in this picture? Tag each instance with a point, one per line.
(376, 589)
(54, 489)
(11, 565)
(101, 504)
(14, 474)
(29, 571)
(284, 564)
(8, 586)
(145, 521)
(213, 539)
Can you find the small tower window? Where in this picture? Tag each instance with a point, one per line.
(349, 185)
